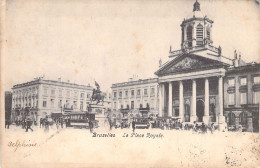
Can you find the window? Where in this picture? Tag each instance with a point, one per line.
(231, 82)
(257, 80)
(52, 103)
(45, 91)
(88, 96)
(256, 96)
(243, 81)
(114, 105)
(52, 92)
(68, 93)
(60, 92)
(120, 94)
(243, 98)
(152, 91)
(199, 35)
(114, 94)
(81, 105)
(126, 93)
(231, 99)
(60, 104)
(138, 92)
(75, 104)
(82, 95)
(189, 36)
(75, 94)
(145, 91)
(67, 104)
(243, 119)
(44, 104)
(132, 92)
(132, 104)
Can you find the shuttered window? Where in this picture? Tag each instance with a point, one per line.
(189, 36)
(199, 35)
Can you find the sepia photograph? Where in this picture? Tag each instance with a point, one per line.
(130, 83)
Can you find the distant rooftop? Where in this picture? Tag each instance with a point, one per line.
(136, 82)
(51, 82)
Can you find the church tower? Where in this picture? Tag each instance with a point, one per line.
(196, 29)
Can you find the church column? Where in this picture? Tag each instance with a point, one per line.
(206, 105)
(220, 99)
(181, 108)
(170, 100)
(194, 101)
(161, 99)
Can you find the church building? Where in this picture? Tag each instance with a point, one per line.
(198, 83)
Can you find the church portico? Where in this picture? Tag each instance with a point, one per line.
(197, 99)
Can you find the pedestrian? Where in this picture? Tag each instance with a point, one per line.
(212, 128)
(91, 126)
(122, 125)
(61, 122)
(46, 123)
(203, 128)
(7, 123)
(133, 125)
(28, 125)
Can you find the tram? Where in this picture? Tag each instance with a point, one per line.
(82, 119)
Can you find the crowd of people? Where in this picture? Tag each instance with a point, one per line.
(164, 124)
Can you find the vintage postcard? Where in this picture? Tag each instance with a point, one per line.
(130, 83)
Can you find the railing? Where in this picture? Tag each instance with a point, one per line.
(195, 48)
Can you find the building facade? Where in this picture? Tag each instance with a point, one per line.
(41, 97)
(135, 94)
(242, 92)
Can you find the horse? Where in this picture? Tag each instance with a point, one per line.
(99, 97)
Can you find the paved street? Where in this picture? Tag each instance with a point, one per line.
(171, 147)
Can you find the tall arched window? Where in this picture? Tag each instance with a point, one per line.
(189, 36)
(199, 35)
(231, 119)
(243, 119)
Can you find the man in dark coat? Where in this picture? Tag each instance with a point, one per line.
(28, 125)
(133, 125)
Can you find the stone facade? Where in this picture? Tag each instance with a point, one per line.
(135, 94)
(41, 97)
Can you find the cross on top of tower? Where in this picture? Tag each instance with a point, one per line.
(196, 6)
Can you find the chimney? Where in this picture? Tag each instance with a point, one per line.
(59, 79)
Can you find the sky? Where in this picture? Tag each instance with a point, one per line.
(111, 40)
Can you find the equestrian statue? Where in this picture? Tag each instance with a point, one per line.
(97, 95)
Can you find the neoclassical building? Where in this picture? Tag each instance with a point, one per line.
(132, 95)
(42, 97)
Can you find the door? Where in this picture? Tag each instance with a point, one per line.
(200, 110)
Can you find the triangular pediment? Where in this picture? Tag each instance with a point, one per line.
(188, 62)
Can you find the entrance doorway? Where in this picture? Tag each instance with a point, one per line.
(200, 110)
